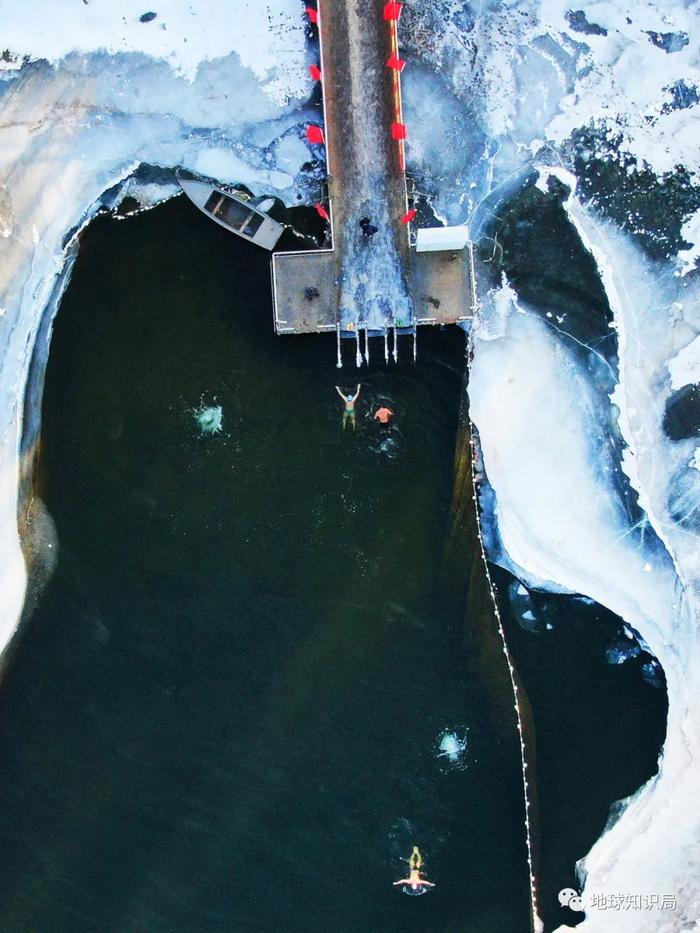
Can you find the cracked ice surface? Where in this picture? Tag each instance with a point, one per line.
(654, 847)
(543, 438)
(195, 87)
(525, 76)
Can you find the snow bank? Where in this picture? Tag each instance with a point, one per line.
(194, 87)
(654, 847)
(543, 433)
(535, 72)
(544, 443)
(690, 231)
(199, 87)
(657, 317)
(684, 367)
(268, 37)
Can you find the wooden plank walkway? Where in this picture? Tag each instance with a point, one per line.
(364, 164)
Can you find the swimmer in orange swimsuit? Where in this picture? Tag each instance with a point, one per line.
(383, 415)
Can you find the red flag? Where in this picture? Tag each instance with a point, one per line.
(398, 64)
(408, 217)
(398, 131)
(322, 212)
(312, 14)
(314, 134)
(315, 72)
(392, 10)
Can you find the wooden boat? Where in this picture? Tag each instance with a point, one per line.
(234, 212)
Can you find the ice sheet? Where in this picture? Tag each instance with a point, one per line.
(267, 36)
(543, 437)
(684, 367)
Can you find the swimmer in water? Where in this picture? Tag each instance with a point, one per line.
(414, 884)
(349, 412)
(383, 415)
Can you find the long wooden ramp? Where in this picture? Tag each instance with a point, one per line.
(380, 283)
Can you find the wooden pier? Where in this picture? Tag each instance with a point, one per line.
(381, 283)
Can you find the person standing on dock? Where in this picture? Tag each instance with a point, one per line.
(368, 228)
(349, 412)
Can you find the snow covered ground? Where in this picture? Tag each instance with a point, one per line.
(657, 317)
(543, 438)
(490, 89)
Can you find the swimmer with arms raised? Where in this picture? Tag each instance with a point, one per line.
(349, 413)
(414, 884)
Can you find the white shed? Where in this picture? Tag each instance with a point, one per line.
(433, 239)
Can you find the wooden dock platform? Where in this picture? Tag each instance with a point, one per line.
(442, 286)
(383, 282)
(292, 274)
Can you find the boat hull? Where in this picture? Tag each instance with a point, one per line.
(233, 214)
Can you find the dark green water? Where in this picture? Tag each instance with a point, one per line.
(225, 712)
(598, 728)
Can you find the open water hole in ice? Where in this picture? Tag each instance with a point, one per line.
(599, 723)
(225, 712)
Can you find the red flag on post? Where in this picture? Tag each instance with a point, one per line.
(392, 10)
(322, 212)
(315, 72)
(312, 14)
(314, 134)
(398, 64)
(408, 217)
(398, 131)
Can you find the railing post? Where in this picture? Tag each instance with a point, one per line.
(472, 276)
